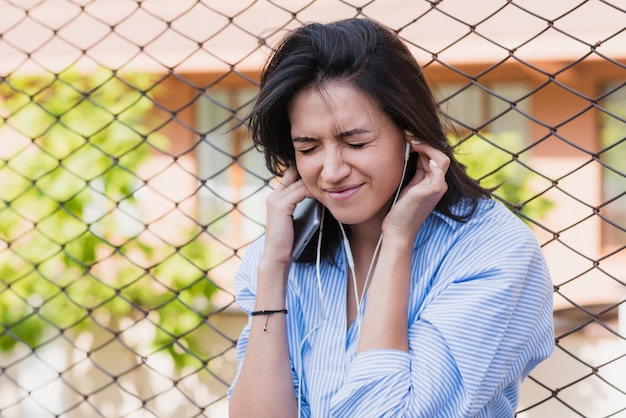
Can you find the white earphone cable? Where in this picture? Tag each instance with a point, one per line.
(350, 259)
(348, 249)
(320, 291)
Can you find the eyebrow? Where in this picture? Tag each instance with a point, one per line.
(352, 132)
(302, 139)
(341, 135)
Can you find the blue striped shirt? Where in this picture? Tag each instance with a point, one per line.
(480, 319)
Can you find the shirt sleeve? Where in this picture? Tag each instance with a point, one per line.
(485, 323)
(245, 296)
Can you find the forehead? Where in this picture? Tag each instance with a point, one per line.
(338, 105)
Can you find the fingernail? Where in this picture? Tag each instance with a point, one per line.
(416, 142)
(433, 163)
(408, 133)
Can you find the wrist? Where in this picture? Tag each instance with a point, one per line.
(273, 269)
(271, 285)
(276, 258)
(399, 243)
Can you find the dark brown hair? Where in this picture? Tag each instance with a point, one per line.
(374, 60)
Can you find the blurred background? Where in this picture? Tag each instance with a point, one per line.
(127, 198)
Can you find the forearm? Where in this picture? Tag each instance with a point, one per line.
(385, 318)
(264, 386)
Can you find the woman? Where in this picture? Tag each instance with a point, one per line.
(423, 297)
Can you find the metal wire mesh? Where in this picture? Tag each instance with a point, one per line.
(126, 198)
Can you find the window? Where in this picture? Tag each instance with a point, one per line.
(486, 109)
(232, 173)
(613, 156)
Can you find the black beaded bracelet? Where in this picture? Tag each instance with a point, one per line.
(268, 313)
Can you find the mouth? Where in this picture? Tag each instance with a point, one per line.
(340, 194)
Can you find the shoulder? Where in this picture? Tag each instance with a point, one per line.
(492, 250)
(251, 255)
(245, 276)
(491, 236)
(488, 217)
(492, 220)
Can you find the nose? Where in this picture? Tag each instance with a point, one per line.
(335, 167)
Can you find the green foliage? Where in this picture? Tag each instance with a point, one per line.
(501, 162)
(70, 222)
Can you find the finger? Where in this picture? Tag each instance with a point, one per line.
(418, 146)
(411, 139)
(289, 177)
(437, 174)
(291, 174)
(429, 176)
(430, 156)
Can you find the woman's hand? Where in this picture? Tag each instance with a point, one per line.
(419, 198)
(281, 204)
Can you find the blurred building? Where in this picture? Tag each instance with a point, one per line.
(550, 73)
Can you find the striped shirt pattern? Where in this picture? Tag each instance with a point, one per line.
(480, 319)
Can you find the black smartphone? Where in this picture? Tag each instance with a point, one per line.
(306, 221)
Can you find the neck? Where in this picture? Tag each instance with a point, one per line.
(364, 239)
(366, 234)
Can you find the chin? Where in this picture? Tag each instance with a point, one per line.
(356, 214)
(349, 216)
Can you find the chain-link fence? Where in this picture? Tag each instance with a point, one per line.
(126, 199)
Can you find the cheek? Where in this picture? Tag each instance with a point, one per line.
(390, 171)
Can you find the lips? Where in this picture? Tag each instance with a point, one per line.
(340, 194)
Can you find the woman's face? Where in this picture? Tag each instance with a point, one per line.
(349, 153)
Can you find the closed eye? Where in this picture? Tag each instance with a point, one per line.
(306, 151)
(305, 145)
(351, 138)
